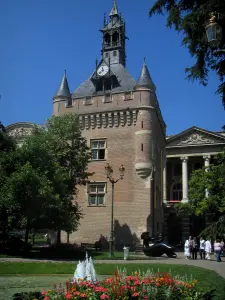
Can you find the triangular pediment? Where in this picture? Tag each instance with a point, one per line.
(195, 136)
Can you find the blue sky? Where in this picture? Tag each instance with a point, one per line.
(41, 38)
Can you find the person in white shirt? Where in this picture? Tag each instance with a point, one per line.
(208, 248)
(202, 248)
(187, 252)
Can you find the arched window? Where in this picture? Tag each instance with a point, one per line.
(115, 38)
(107, 39)
(176, 192)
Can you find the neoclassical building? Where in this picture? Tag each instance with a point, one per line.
(121, 119)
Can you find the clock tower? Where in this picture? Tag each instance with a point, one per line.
(114, 36)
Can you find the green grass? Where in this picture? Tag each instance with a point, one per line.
(17, 284)
(61, 271)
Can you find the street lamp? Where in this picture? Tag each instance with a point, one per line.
(109, 175)
(214, 33)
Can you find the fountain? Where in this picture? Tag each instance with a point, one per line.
(85, 270)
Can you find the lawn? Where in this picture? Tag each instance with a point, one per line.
(17, 276)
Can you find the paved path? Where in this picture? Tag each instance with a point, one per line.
(180, 260)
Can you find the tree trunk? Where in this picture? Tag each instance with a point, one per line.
(68, 237)
(58, 236)
(26, 235)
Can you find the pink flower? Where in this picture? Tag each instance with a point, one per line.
(68, 296)
(104, 296)
(135, 294)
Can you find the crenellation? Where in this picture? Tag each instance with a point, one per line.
(122, 118)
(87, 121)
(93, 121)
(104, 120)
(81, 122)
(99, 120)
(110, 119)
(129, 117)
(134, 112)
(116, 119)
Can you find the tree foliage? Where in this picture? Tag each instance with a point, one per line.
(190, 17)
(40, 178)
(212, 206)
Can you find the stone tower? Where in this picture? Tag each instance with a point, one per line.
(121, 120)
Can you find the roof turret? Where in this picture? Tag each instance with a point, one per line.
(63, 88)
(145, 79)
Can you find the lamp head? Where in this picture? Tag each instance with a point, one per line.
(213, 31)
(122, 171)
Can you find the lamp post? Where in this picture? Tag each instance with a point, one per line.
(214, 33)
(109, 175)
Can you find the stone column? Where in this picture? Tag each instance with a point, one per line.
(164, 184)
(206, 163)
(184, 178)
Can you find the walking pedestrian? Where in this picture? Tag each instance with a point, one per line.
(194, 248)
(202, 248)
(217, 249)
(208, 248)
(187, 249)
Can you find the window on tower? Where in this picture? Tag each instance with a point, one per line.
(115, 39)
(96, 194)
(107, 40)
(98, 149)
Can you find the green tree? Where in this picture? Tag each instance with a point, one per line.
(7, 144)
(212, 206)
(190, 17)
(41, 177)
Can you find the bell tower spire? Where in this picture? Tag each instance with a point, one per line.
(114, 11)
(114, 37)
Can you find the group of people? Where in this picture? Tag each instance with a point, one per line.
(191, 248)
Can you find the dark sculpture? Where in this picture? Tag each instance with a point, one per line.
(154, 247)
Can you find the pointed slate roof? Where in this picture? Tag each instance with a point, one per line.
(126, 83)
(145, 79)
(114, 10)
(63, 88)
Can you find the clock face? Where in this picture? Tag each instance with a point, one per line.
(102, 70)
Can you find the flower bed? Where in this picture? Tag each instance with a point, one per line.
(123, 287)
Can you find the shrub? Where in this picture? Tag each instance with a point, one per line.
(28, 296)
(63, 250)
(123, 287)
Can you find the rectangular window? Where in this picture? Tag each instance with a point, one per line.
(128, 96)
(88, 100)
(108, 98)
(96, 194)
(98, 149)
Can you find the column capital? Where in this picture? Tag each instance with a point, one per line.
(184, 158)
(206, 157)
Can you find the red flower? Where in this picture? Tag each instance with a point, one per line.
(104, 296)
(68, 296)
(135, 294)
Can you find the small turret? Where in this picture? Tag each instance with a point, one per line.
(63, 93)
(145, 80)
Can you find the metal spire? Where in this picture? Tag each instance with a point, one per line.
(114, 10)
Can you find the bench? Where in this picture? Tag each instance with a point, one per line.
(89, 246)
